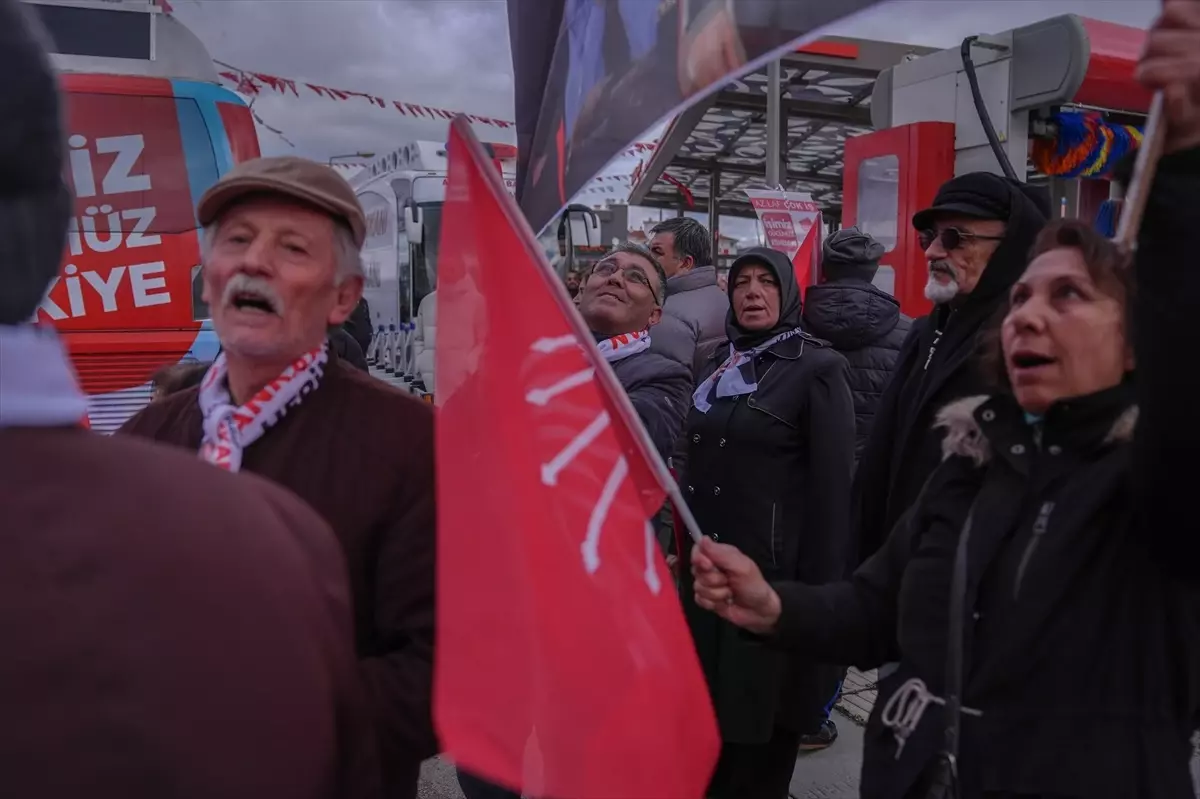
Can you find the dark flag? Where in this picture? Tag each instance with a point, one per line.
(594, 75)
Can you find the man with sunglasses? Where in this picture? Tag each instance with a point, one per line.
(621, 299)
(976, 236)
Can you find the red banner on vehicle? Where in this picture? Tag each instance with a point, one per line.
(564, 666)
(123, 269)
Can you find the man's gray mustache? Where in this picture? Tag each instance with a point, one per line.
(257, 286)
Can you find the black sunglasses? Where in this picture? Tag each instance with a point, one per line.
(952, 238)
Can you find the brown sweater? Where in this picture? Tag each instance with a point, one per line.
(169, 630)
(361, 454)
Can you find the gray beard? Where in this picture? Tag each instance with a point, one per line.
(940, 293)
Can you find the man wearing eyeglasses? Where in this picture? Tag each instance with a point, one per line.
(621, 300)
(976, 236)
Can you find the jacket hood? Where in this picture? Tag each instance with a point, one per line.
(789, 297)
(849, 315)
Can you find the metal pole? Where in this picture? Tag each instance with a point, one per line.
(714, 211)
(774, 119)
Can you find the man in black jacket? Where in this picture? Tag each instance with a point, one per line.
(862, 322)
(976, 234)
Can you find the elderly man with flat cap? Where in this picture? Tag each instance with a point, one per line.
(976, 235)
(282, 266)
(168, 629)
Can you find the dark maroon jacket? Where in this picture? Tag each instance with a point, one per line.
(169, 630)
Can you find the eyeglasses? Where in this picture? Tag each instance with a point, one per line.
(952, 238)
(634, 274)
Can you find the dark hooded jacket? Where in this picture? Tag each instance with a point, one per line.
(770, 473)
(865, 325)
(936, 366)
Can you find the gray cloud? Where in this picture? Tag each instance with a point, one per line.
(451, 54)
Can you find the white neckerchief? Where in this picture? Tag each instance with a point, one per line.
(229, 428)
(730, 379)
(37, 384)
(622, 346)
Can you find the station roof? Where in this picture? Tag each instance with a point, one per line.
(826, 99)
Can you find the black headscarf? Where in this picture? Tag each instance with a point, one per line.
(789, 297)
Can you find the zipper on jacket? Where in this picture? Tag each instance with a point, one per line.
(774, 562)
(932, 349)
(1040, 525)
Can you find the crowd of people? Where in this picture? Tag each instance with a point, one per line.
(234, 595)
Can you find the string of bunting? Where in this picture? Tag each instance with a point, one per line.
(252, 84)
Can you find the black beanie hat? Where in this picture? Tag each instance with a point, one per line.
(850, 254)
(35, 204)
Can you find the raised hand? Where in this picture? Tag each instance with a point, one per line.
(1171, 63)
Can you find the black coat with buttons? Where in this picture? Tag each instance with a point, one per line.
(770, 473)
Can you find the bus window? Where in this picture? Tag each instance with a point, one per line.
(424, 263)
(96, 32)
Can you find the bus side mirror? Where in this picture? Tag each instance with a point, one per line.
(412, 223)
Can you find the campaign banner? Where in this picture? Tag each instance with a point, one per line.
(592, 76)
(793, 225)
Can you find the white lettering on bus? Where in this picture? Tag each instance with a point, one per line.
(142, 218)
(119, 179)
(147, 281)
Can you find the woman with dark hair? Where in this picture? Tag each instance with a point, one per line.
(1042, 596)
(770, 452)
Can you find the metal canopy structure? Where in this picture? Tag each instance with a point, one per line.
(729, 140)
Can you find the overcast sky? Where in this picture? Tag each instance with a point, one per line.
(454, 54)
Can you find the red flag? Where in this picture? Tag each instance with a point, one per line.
(564, 666)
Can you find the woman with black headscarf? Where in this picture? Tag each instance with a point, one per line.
(770, 442)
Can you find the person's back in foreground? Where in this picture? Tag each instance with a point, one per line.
(172, 630)
(168, 630)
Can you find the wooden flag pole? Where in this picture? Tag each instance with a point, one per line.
(1144, 169)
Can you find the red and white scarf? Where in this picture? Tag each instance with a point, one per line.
(622, 346)
(229, 428)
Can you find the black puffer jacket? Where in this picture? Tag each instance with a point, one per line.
(865, 325)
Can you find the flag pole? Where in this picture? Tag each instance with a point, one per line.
(1144, 168)
(602, 370)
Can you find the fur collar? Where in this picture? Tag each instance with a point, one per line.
(965, 438)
